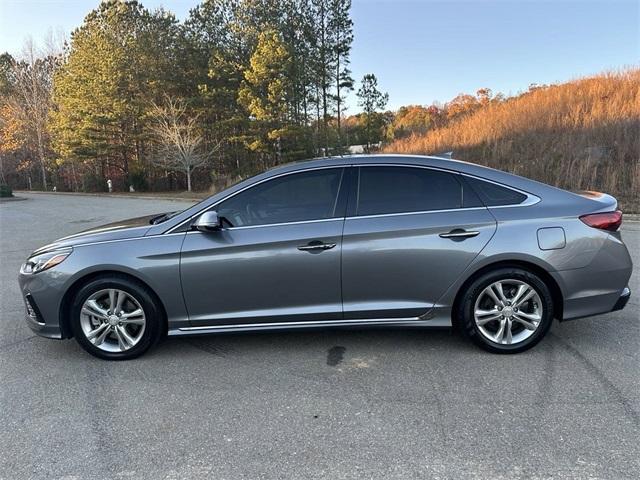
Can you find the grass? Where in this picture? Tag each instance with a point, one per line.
(580, 135)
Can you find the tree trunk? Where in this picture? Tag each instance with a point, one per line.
(43, 171)
(338, 99)
(279, 149)
(368, 129)
(305, 119)
(188, 178)
(325, 72)
(41, 158)
(75, 178)
(318, 124)
(2, 179)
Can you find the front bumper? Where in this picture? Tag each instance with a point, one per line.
(43, 329)
(42, 294)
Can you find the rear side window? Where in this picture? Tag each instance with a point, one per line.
(493, 195)
(384, 190)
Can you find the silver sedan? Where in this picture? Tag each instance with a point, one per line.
(382, 240)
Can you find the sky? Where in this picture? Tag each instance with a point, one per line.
(424, 51)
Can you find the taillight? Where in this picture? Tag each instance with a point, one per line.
(604, 221)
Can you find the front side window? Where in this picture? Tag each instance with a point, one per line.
(384, 190)
(297, 197)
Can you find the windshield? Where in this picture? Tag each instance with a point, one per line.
(166, 216)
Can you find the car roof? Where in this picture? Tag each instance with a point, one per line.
(381, 158)
(398, 159)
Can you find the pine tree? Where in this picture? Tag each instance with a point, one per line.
(341, 27)
(124, 58)
(264, 93)
(119, 61)
(371, 100)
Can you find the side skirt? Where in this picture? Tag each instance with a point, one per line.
(249, 327)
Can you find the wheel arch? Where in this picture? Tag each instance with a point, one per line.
(545, 276)
(67, 299)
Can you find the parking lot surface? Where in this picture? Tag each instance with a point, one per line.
(336, 404)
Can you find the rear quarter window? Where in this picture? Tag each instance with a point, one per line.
(493, 195)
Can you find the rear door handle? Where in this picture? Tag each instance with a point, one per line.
(459, 233)
(316, 246)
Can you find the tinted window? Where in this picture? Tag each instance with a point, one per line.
(291, 198)
(404, 189)
(494, 195)
(469, 196)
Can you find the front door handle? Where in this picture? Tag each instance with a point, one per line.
(316, 246)
(459, 233)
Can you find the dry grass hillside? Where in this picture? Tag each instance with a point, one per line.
(583, 134)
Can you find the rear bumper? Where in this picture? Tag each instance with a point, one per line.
(596, 305)
(622, 301)
(600, 287)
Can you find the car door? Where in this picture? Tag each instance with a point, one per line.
(409, 234)
(277, 259)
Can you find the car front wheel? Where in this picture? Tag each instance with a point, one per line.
(115, 318)
(507, 310)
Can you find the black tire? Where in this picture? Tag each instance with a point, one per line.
(466, 307)
(154, 316)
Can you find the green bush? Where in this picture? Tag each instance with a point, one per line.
(91, 182)
(5, 191)
(138, 179)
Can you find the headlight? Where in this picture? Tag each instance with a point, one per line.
(44, 261)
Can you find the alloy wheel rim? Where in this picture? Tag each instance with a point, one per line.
(112, 320)
(508, 312)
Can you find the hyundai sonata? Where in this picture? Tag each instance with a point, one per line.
(351, 241)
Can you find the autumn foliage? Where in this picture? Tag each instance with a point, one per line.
(584, 134)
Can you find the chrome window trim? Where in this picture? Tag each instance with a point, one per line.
(188, 220)
(529, 201)
(421, 212)
(301, 222)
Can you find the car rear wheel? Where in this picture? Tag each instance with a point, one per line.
(507, 310)
(115, 318)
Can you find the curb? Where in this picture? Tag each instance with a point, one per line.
(11, 199)
(114, 195)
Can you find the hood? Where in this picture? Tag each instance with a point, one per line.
(121, 230)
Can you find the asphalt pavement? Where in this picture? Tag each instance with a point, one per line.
(336, 404)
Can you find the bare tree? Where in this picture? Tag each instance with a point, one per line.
(33, 84)
(55, 42)
(180, 145)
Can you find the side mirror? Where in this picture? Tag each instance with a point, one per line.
(207, 222)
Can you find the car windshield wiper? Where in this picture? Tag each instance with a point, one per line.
(162, 218)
